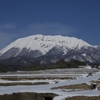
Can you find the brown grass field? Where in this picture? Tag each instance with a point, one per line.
(23, 83)
(83, 98)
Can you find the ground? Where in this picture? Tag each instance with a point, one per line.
(64, 83)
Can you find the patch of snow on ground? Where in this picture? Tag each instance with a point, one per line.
(80, 78)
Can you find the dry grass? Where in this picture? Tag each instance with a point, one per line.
(82, 86)
(26, 96)
(96, 82)
(33, 78)
(23, 83)
(83, 98)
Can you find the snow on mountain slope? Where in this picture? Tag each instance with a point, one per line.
(45, 43)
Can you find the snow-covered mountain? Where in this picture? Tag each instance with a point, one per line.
(51, 48)
(43, 44)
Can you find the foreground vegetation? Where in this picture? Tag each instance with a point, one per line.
(23, 83)
(28, 96)
(42, 96)
(17, 78)
(77, 87)
(83, 98)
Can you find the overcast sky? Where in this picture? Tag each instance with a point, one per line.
(75, 18)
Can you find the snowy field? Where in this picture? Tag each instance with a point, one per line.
(55, 78)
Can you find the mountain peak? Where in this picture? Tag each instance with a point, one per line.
(51, 48)
(44, 43)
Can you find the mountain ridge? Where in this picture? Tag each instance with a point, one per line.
(35, 41)
(51, 48)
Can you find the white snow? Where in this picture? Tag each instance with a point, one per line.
(45, 43)
(47, 88)
(84, 54)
